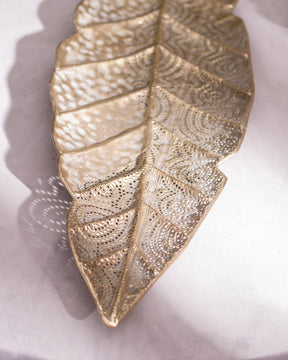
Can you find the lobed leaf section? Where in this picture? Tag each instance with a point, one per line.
(149, 97)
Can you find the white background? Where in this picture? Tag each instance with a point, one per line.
(226, 297)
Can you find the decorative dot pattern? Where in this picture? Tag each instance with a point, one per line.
(97, 164)
(91, 12)
(94, 44)
(149, 97)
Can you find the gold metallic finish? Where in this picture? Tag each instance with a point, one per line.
(149, 97)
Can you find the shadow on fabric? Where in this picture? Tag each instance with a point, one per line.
(32, 158)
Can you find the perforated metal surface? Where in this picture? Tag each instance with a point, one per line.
(149, 98)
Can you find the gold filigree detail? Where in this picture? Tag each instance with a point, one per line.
(149, 97)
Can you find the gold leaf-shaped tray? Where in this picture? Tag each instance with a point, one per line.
(149, 97)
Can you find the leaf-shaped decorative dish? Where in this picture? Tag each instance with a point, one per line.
(149, 97)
